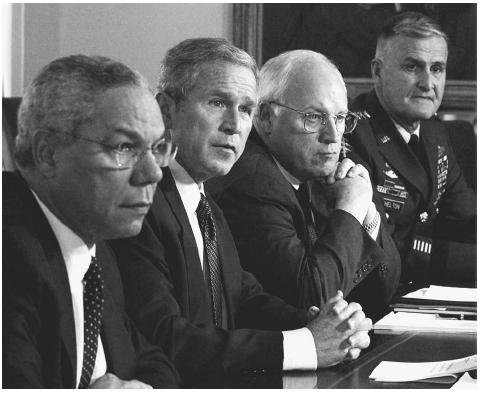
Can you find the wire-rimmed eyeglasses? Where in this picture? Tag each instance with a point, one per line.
(315, 122)
(127, 155)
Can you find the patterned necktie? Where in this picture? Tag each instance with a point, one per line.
(93, 307)
(207, 227)
(304, 197)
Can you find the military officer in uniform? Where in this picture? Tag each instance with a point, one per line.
(429, 207)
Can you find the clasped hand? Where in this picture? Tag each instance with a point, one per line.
(349, 188)
(340, 331)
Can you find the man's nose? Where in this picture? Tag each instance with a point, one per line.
(146, 170)
(231, 122)
(330, 133)
(425, 81)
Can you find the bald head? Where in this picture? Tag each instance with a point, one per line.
(293, 85)
(277, 73)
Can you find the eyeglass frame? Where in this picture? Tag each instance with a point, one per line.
(137, 155)
(326, 116)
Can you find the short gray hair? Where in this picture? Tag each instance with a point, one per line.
(409, 24)
(182, 64)
(62, 97)
(275, 74)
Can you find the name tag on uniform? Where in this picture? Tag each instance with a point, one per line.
(392, 204)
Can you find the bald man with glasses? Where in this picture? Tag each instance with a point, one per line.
(303, 222)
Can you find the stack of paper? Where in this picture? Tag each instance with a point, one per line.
(435, 292)
(433, 309)
(440, 372)
(399, 322)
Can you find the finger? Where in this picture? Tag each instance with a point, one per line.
(358, 340)
(339, 307)
(343, 168)
(353, 353)
(350, 310)
(312, 312)
(336, 297)
(365, 325)
(360, 171)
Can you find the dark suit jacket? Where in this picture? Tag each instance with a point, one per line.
(270, 231)
(168, 298)
(420, 203)
(39, 347)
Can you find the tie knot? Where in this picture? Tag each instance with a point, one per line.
(93, 276)
(203, 208)
(413, 140)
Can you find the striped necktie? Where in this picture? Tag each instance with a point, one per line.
(207, 227)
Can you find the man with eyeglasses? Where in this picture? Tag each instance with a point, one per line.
(89, 149)
(304, 223)
(428, 207)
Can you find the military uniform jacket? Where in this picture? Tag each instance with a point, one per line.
(272, 236)
(421, 200)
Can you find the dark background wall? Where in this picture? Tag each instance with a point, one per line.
(347, 33)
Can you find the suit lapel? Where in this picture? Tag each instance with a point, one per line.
(112, 332)
(395, 151)
(56, 272)
(192, 263)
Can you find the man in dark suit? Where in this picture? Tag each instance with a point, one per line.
(185, 287)
(303, 243)
(86, 126)
(429, 208)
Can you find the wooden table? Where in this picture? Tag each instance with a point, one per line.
(407, 347)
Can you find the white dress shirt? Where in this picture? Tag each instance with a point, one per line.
(77, 257)
(406, 135)
(299, 347)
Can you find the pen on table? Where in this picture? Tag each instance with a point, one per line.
(460, 317)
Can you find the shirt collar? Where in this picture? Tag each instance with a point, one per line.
(76, 254)
(291, 179)
(406, 135)
(188, 189)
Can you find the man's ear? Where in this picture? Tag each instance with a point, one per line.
(265, 116)
(376, 65)
(167, 107)
(44, 146)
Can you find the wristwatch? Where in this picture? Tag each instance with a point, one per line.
(373, 224)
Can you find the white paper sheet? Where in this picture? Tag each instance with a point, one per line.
(435, 292)
(403, 372)
(419, 322)
(465, 382)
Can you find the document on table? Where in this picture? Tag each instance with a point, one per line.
(440, 372)
(399, 322)
(449, 294)
(465, 382)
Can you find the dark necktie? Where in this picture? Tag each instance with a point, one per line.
(93, 307)
(304, 196)
(414, 146)
(207, 227)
